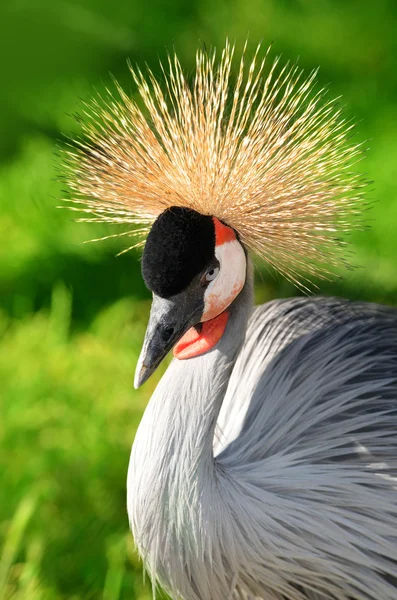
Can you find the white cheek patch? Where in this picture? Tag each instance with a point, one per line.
(230, 281)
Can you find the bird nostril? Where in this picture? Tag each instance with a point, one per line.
(167, 333)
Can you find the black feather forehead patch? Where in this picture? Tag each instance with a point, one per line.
(180, 245)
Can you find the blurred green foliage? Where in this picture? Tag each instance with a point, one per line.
(72, 315)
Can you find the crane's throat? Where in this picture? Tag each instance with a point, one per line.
(202, 338)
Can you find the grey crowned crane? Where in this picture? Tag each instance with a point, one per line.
(265, 465)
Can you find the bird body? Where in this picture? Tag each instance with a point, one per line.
(257, 468)
(265, 464)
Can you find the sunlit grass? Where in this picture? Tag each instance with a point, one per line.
(68, 417)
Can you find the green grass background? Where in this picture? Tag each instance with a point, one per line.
(72, 316)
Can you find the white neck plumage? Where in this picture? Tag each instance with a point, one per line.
(174, 486)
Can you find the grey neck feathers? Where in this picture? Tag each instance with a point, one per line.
(173, 478)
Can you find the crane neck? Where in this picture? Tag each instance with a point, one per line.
(172, 464)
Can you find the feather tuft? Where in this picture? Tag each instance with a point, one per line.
(265, 152)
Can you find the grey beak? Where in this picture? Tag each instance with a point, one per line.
(168, 322)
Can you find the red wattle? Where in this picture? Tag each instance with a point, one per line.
(194, 343)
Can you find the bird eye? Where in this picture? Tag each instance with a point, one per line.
(211, 274)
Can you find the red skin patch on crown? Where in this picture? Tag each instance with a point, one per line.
(223, 233)
(195, 342)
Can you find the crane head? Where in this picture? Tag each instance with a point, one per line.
(252, 145)
(195, 267)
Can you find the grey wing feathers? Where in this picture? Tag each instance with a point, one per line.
(309, 376)
(310, 420)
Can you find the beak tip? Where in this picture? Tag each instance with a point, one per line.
(137, 379)
(142, 373)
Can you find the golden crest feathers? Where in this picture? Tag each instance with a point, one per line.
(264, 152)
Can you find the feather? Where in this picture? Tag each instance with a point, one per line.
(266, 152)
(298, 500)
